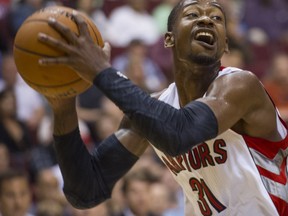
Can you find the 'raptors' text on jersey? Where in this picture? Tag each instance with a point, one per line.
(215, 183)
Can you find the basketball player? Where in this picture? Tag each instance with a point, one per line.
(215, 128)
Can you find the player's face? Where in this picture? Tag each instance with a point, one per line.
(200, 32)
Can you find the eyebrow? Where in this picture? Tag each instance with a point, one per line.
(215, 4)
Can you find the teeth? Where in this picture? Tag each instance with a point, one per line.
(205, 36)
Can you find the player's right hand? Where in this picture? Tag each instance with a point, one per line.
(81, 53)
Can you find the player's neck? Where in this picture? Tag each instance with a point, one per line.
(194, 80)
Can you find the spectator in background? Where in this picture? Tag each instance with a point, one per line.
(99, 210)
(0, 64)
(163, 58)
(13, 132)
(136, 189)
(238, 55)
(20, 11)
(15, 194)
(4, 158)
(49, 208)
(109, 119)
(266, 34)
(46, 187)
(276, 83)
(161, 55)
(272, 17)
(132, 21)
(140, 68)
(43, 154)
(30, 107)
(89, 110)
(160, 199)
(234, 14)
(177, 195)
(93, 9)
(5, 39)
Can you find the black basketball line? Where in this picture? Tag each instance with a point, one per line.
(51, 86)
(88, 23)
(45, 55)
(34, 53)
(95, 33)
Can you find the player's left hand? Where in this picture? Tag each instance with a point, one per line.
(82, 53)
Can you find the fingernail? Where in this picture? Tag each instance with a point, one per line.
(42, 36)
(52, 19)
(41, 62)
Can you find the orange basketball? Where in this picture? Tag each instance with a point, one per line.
(54, 81)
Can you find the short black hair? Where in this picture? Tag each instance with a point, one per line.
(142, 175)
(173, 16)
(12, 174)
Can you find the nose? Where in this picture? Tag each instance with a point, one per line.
(205, 21)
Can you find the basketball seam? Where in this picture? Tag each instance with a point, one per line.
(87, 21)
(34, 53)
(95, 33)
(52, 86)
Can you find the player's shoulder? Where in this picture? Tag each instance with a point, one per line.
(238, 77)
(234, 81)
(233, 72)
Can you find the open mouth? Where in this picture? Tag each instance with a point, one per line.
(205, 37)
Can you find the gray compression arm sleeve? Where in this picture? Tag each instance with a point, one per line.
(171, 130)
(90, 178)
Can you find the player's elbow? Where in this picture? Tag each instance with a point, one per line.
(80, 202)
(175, 144)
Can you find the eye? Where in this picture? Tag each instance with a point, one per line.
(217, 18)
(193, 15)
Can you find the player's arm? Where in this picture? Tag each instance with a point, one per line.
(171, 130)
(168, 129)
(90, 178)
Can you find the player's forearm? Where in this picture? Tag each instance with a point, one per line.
(90, 178)
(64, 114)
(171, 130)
(65, 121)
(132, 141)
(76, 167)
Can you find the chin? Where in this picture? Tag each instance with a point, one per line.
(203, 60)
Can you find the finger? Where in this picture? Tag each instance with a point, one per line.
(55, 43)
(54, 61)
(107, 49)
(64, 30)
(82, 25)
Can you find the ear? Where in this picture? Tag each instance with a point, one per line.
(226, 46)
(169, 40)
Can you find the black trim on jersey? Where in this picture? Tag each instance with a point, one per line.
(90, 178)
(173, 131)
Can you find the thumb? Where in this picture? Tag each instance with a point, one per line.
(107, 49)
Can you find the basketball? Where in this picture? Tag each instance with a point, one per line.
(57, 81)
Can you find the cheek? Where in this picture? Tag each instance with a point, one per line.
(6, 204)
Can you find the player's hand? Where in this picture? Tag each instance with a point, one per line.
(82, 53)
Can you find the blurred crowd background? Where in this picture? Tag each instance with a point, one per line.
(30, 180)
